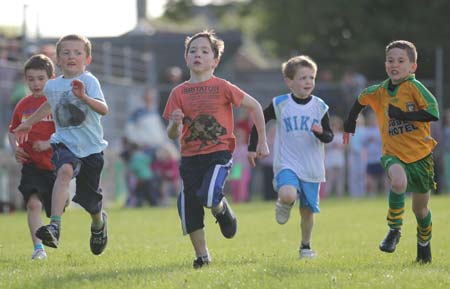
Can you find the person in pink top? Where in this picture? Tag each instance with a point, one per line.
(199, 111)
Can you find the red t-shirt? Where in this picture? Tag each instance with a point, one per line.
(208, 115)
(40, 131)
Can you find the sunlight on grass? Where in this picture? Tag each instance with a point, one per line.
(147, 250)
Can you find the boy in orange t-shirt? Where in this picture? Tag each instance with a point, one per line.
(200, 110)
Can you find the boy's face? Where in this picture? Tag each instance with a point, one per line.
(35, 80)
(200, 56)
(398, 66)
(72, 58)
(303, 82)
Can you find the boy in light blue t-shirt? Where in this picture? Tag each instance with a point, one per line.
(77, 103)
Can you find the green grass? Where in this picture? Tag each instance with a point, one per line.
(146, 250)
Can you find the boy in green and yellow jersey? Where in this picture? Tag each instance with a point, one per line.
(404, 110)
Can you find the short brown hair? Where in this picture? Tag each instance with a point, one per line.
(40, 62)
(290, 67)
(217, 45)
(84, 39)
(410, 48)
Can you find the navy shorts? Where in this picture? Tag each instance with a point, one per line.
(37, 181)
(203, 179)
(87, 173)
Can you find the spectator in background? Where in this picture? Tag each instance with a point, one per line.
(239, 179)
(145, 126)
(166, 169)
(446, 149)
(371, 142)
(356, 163)
(172, 77)
(335, 160)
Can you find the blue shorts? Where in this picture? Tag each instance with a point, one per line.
(203, 178)
(307, 192)
(87, 173)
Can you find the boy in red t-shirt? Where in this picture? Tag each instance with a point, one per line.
(200, 110)
(37, 178)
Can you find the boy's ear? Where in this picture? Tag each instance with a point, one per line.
(414, 67)
(88, 60)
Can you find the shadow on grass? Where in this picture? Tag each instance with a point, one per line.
(121, 277)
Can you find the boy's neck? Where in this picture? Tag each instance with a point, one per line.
(72, 76)
(195, 78)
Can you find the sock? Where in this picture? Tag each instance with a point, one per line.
(424, 229)
(205, 257)
(39, 247)
(396, 210)
(56, 221)
(97, 224)
(305, 246)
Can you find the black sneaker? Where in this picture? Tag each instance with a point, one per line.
(99, 238)
(390, 241)
(227, 221)
(423, 253)
(49, 235)
(200, 262)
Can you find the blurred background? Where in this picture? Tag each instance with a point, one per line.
(138, 49)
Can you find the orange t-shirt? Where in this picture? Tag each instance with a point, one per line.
(208, 115)
(410, 141)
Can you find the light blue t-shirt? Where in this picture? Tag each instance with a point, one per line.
(77, 125)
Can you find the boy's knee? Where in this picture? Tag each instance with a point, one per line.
(34, 204)
(65, 171)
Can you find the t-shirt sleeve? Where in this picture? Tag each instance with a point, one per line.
(16, 118)
(172, 104)
(235, 94)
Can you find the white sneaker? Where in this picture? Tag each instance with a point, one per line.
(307, 254)
(39, 254)
(282, 212)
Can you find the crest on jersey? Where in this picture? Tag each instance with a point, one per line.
(410, 106)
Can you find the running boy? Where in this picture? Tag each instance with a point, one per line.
(302, 129)
(77, 104)
(404, 110)
(200, 110)
(37, 179)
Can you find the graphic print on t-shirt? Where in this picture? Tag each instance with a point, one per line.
(69, 111)
(204, 128)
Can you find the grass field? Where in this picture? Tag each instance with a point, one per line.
(146, 250)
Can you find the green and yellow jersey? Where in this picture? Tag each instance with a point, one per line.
(410, 141)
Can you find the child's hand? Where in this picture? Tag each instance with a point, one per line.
(251, 158)
(21, 133)
(20, 155)
(78, 89)
(177, 116)
(346, 138)
(41, 145)
(317, 128)
(262, 151)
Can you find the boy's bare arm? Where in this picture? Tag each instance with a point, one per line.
(97, 105)
(176, 120)
(248, 102)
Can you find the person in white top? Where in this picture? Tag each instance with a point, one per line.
(302, 129)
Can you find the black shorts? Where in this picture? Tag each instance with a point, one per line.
(196, 174)
(37, 181)
(87, 173)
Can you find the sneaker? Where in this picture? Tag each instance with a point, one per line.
(49, 235)
(390, 241)
(99, 238)
(423, 253)
(39, 254)
(200, 262)
(282, 212)
(227, 221)
(307, 254)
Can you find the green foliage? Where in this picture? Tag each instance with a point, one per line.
(147, 250)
